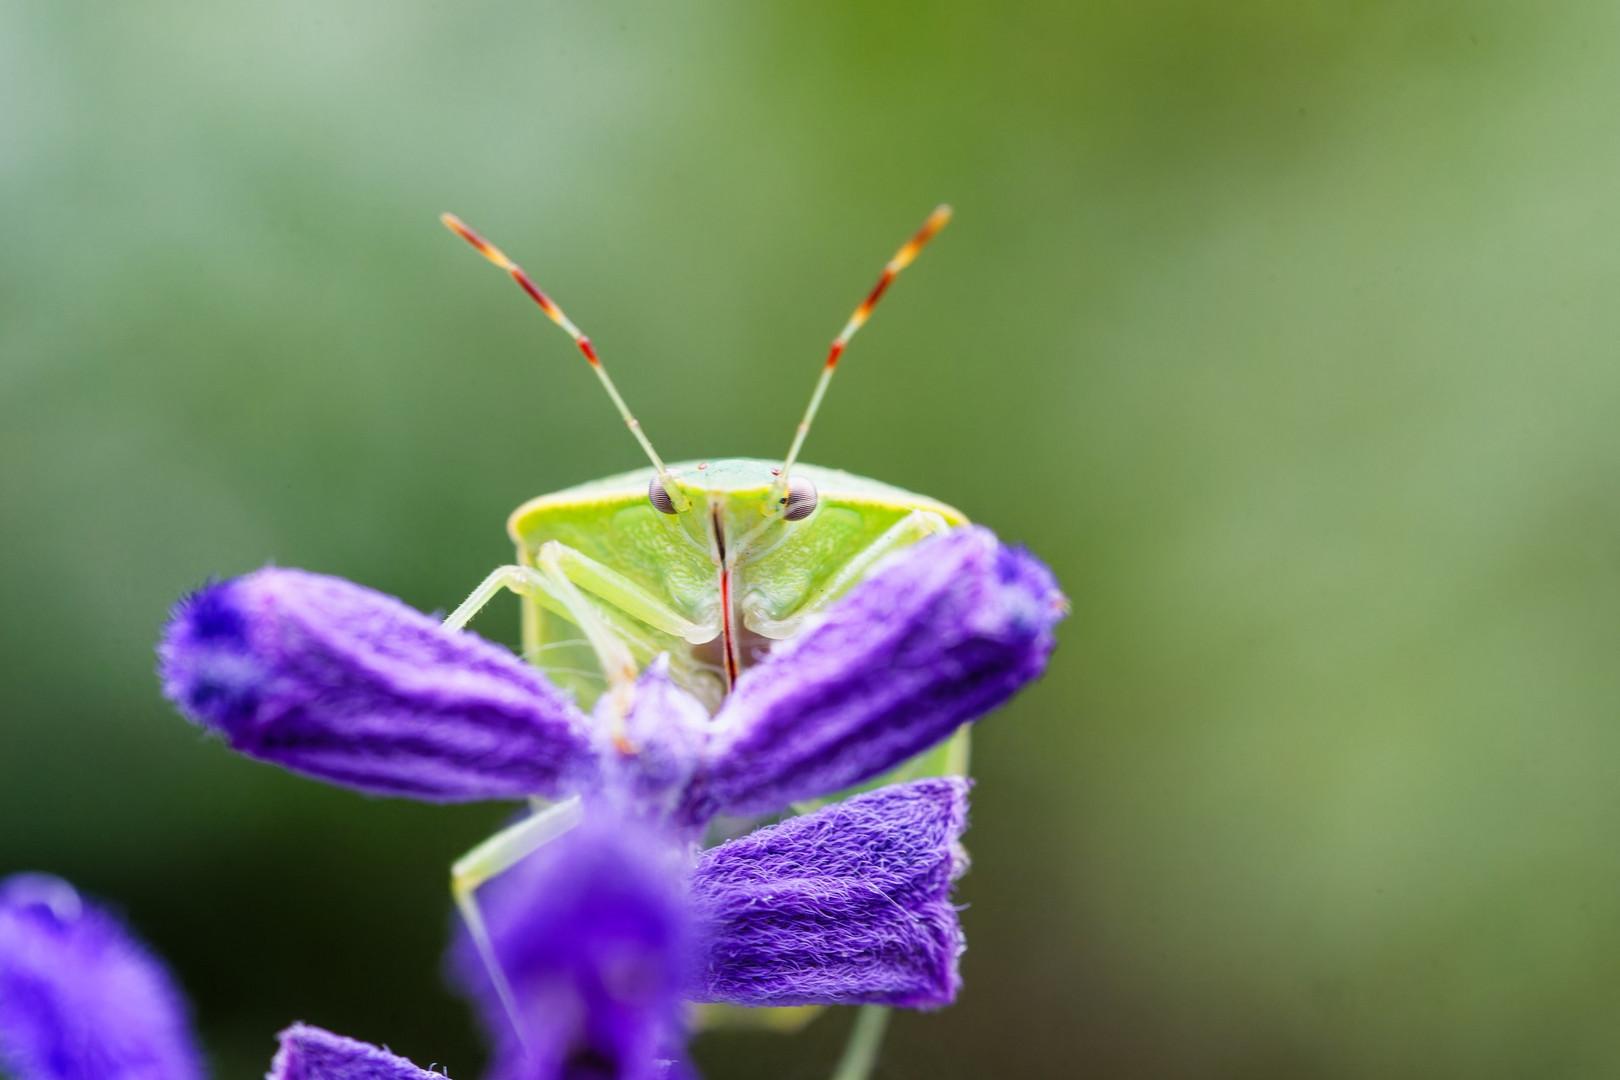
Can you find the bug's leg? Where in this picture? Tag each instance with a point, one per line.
(552, 589)
(908, 530)
(548, 586)
(639, 623)
(520, 579)
(552, 583)
(611, 648)
(490, 859)
(612, 639)
(613, 587)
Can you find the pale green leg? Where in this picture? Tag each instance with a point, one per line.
(908, 530)
(555, 584)
(625, 595)
(547, 584)
(520, 579)
(611, 651)
(865, 1039)
(490, 859)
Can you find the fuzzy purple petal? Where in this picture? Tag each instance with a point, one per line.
(80, 998)
(850, 904)
(592, 935)
(649, 757)
(942, 633)
(312, 1053)
(345, 684)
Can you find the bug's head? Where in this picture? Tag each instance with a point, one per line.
(735, 499)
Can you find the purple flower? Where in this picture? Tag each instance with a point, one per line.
(312, 1053)
(599, 935)
(650, 756)
(602, 933)
(593, 938)
(848, 904)
(342, 683)
(80, 998)
(945, 631)
(351, 686)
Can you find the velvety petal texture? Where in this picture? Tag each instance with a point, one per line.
(848, 904)
(943, 632)
(80, 998)
(312, 1053)
(348, 685)
(650, 756)
(592, 935)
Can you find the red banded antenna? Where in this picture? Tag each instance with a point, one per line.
(902, 259)
(555, 314)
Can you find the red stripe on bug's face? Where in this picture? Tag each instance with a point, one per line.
(728, 617)
(729, 629)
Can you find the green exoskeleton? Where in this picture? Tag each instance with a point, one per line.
(709, 562)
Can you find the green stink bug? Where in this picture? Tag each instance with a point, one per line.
(708, 562)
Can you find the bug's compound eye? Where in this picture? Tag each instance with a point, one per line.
(801, 499)
(660, 497)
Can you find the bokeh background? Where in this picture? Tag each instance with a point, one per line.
(1285, 332)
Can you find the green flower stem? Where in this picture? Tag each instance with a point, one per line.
(865, 1039)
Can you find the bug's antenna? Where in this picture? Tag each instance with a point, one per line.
(555, 314)
(902, 259)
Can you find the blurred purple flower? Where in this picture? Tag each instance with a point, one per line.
(312, 1053)
(594, 940)
(80, 998)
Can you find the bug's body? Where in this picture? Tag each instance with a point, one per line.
(738, 577)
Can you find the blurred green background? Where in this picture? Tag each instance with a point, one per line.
(1284, 331)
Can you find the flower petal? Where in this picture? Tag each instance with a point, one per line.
(850, 904)
(649, 757)
(312, 1053)
(592, 936)
(345, 684)
(942, 633)
(80, 998)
